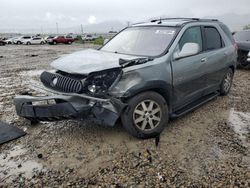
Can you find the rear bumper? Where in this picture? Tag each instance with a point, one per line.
(68, 107)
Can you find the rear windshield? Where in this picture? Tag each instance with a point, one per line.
(242, 36)
(142, 41)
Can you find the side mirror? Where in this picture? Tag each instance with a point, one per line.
(187, 50)
(105, 41)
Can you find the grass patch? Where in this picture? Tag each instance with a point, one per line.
(98, 41)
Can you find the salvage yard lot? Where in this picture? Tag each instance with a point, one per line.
(208, 147)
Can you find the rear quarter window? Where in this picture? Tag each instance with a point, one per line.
(213, 38)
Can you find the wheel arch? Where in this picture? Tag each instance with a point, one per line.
(160, 87)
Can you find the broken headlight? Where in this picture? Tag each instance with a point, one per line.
(99, 82)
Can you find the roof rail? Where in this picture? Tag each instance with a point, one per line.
(191, 19)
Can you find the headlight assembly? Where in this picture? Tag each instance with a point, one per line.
(99, 82)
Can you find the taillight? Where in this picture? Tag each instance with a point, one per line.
(236, 46)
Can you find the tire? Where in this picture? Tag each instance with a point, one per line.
(42, 43)
(54, 42)
(28, 43)
(226, 83)
(69, 42)
(18, 42)
(151, 119)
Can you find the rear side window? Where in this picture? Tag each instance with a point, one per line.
(191, 35)
(212, 38)
(227, 32)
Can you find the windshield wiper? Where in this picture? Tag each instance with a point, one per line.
(131, 62)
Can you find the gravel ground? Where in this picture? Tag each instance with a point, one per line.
(209, 147)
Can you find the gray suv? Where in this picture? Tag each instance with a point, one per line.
(145, 75)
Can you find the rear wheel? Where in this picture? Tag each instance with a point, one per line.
(42, 43)
(227, 82)
(18, 42)
(28, 43)
(69, 42)
(146, 115)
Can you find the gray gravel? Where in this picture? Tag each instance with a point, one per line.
(206, 148)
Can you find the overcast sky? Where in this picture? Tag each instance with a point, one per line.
(44, 14)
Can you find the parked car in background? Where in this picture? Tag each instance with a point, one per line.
(146, 74)
(47, 38)
(22, 39)
(11, 40)
(2, 42)
(61, 39)
(89, 37)
(242, 39)
(35, 40)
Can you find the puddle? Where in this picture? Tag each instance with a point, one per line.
(240, 122)
(11, 164)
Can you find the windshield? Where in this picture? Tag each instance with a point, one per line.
(142, 41)
(242, 36)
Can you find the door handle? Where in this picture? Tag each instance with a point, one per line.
(204, 59)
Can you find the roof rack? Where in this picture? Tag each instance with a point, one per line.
(191, 19)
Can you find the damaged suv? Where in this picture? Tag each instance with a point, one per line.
(146, 74)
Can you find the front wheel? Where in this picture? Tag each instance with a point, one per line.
(146, 115)
(227, 82)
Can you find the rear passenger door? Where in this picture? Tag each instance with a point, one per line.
(189, 73)
(36, 40)
(216, 57)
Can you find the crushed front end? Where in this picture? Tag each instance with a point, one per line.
(77, 96)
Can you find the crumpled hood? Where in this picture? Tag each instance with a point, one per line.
(87, 61)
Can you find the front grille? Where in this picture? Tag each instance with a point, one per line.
(61, 83)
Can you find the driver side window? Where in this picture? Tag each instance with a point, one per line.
(191, 35)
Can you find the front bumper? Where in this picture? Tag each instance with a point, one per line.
(75, 106)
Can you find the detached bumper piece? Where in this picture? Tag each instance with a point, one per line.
(29, 107)
(62, 107)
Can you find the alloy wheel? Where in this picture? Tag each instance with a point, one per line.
(147, 115)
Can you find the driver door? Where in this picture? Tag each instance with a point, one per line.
(189, 73)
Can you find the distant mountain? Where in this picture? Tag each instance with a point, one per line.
(103, 27)
(234, 21)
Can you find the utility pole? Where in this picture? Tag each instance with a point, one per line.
(57, 28)
(81, 29)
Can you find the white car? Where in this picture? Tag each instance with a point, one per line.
(35, 40)
(89, 37)
(10, 40)
(22, 40)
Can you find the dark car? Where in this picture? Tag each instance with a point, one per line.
(146, 74)
(242, 39)
(2, 42)
(61, 39)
